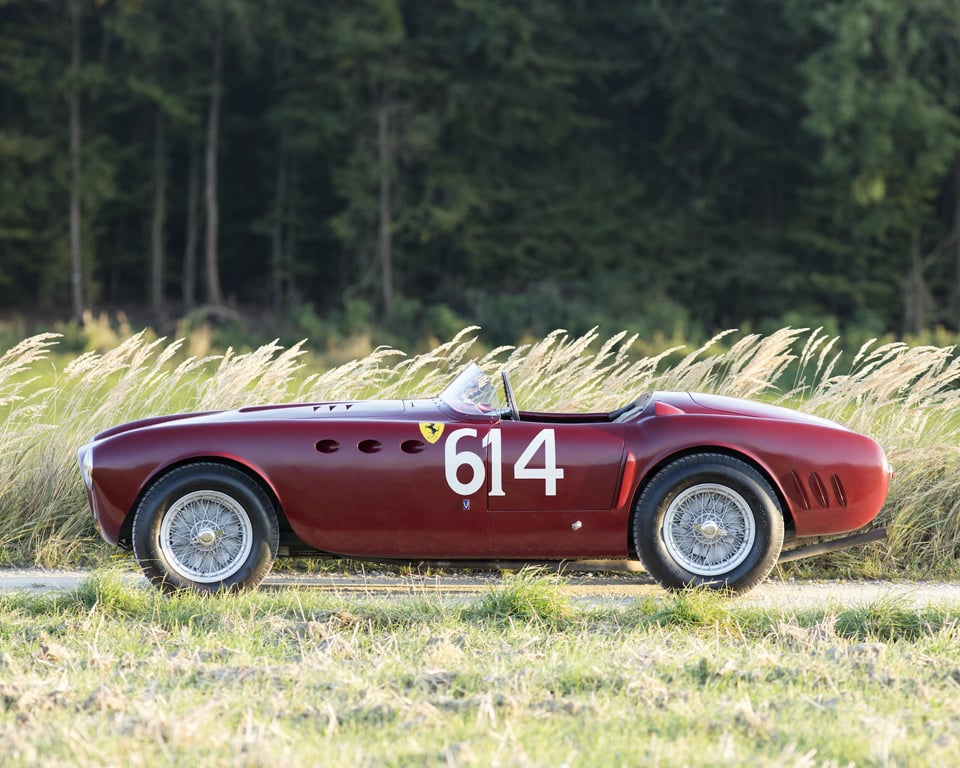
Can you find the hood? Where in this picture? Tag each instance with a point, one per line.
(412, 410)
(354, 409)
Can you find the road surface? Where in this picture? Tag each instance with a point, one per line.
(596, 589)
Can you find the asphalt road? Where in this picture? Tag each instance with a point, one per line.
(589, 589)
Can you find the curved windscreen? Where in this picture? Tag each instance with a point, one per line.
(472, 392)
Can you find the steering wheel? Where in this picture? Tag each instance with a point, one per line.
(511, 400)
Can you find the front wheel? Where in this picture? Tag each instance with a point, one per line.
(207, 527)
(708, 520)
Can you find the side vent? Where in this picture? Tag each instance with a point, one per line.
(328, 446)
(796, 485)
(838, 490)
(369, 446)
(412, 446)
(331, 407)
(819, 490)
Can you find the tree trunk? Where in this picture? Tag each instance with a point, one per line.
(956, 247)
(76, 255)
(291, 233)
(277, 266)
(157, 260)
(214, 294)
(193, 229)
(385, 244)
(918, 301)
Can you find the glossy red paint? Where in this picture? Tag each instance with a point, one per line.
(793, 455)
(427, 479)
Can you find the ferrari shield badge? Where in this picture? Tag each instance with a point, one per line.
(431, 431)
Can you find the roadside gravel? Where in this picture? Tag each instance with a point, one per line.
(589, 589)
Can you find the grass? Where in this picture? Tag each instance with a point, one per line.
(905, 397)
(112, 674)
(529, 595)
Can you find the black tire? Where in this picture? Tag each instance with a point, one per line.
(708, 520)
(206, 527)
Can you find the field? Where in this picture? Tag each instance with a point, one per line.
(905, 397)
(110, 674)
(116, 675)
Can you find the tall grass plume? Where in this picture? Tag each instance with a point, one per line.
(905, 397)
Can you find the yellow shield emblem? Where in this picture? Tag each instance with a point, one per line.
(431, 431)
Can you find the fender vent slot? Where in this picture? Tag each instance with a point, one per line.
(369, 446)
(412, 446)
(328, 446)
(819, 490)
(838, 490)
(798, 489)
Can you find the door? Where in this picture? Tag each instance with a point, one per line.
(552, 488)
(394, 490)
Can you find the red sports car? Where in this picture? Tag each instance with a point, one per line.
(703, 489)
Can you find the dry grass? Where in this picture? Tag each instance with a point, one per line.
(905, 397)
(114, 674)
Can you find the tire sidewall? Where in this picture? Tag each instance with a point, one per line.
(165, 491)
(723, 470)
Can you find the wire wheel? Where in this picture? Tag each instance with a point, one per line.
(206, 536)
(709, 529)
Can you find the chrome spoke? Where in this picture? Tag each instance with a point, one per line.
(709, 529)
(206, 536)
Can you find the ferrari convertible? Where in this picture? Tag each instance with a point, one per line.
(704, 490)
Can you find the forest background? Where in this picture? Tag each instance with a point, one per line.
(401, 168)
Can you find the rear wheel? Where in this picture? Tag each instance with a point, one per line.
(206, 527)
(708, 520)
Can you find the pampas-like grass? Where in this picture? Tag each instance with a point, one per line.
(905, 397)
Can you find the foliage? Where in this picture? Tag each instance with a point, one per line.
(672, 168)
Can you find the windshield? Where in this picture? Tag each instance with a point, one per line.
(472, 392)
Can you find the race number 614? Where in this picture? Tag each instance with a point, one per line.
(453, 459)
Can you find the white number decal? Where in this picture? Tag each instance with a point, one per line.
(454, 459)
(550, 472)
(496, 461)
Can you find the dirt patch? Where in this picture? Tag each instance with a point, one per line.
(600, 589)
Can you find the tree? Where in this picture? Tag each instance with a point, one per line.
(882, 102)
(76, 253)
(34, 158)
(532, 165)
(365, 55)
(56, 172)
(717, 114)
(307, 130)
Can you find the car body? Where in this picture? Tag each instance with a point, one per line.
(702, 488)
